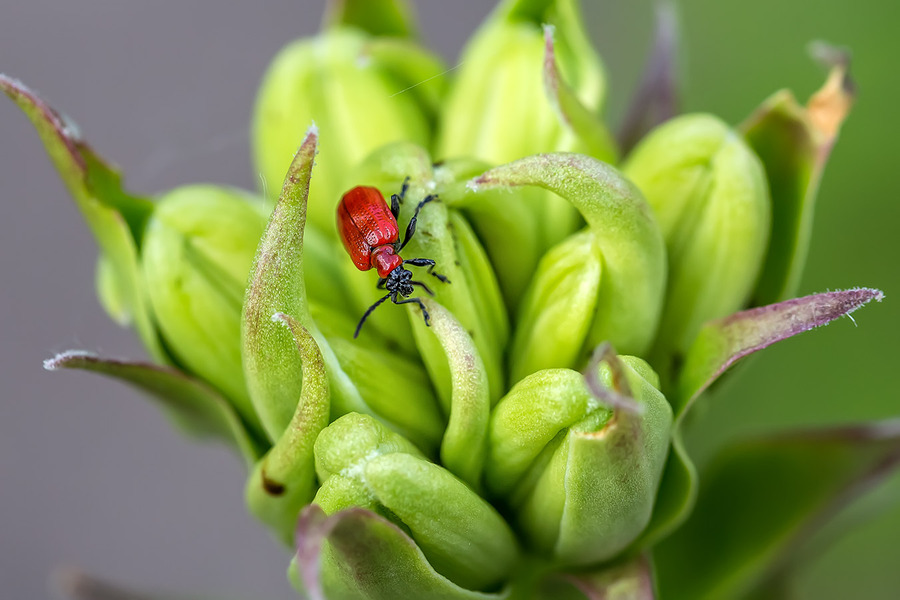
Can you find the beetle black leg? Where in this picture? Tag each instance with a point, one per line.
(423, 286)
(371, 308)
(381, 282)
(426, 262)
(418, 301)
(397, 200)
(411, 228)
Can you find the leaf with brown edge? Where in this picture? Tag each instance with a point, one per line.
(763, 497)
(656, 99)
(116, 219)
(794, 143)
(196, 408)
(723, 342)
(284, 480)
(720, 344)
(584, 124)
(355, 553)
(277, 285)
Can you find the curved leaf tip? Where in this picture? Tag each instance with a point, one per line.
(723, 342)
(65, 359)
(619, 396)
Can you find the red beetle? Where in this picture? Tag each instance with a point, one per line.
(369, 231)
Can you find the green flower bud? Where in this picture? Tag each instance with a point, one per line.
(509, 76)
(350, 85)
(500, 86)
(625, 250)
(360, 463)
(580, 478)
(197, 252)
(709, 193)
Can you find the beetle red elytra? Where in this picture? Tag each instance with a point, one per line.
(369, 231)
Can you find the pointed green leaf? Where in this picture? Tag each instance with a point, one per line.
(115, 218)
(762, 497)
(723, 342)
(357, 554)
(586, 125)
(794, 143)
(719, 345)
(271, 363)
(284, 480)
(197, 409)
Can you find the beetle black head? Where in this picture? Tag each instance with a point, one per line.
(399, 280)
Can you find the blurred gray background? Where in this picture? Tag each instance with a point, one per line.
(92, 476)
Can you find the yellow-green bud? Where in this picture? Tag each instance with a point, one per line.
(709, 193)
(581, 478)
(353, 87)
(498, 109)
(196, 255)
(510, 99)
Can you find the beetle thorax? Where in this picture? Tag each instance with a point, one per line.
(385, 260)
(399, 280)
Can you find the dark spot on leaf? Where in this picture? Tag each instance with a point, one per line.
(272, 487)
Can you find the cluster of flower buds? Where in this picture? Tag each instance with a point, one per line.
(527, 438)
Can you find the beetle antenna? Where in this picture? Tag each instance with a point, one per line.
(369, 312)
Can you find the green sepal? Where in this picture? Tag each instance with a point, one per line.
(377, 17)
(198, 249)
(634, 260)
(195, 408)
(361, 463)
(762, 497)
(794, 143)
(332, 549)
(719, 345)
(593, 137)
(271, 364)
(115, 218)
(284, 480)
(464, 444)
